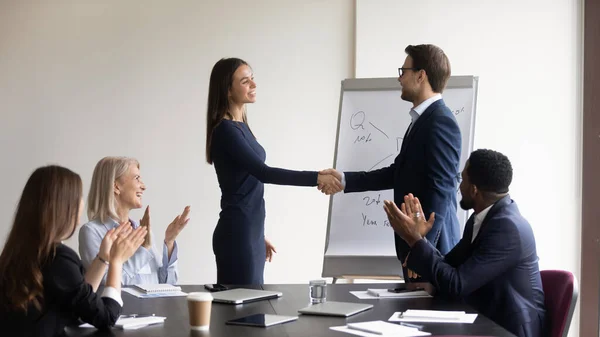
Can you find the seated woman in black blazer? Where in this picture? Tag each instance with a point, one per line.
(43, 286)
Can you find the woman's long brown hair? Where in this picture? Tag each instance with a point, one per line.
(46, 214)
(221, 79)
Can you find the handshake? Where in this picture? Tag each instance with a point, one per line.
(330, 181)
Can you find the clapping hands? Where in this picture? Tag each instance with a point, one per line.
(176, 226)
(173, 229)
(330, 181)
(110, 237)
(409, 222)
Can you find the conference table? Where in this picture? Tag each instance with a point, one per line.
(295, 297)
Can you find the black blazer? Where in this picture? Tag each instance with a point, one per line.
(428, 167)
(67, 297)
(497, 274)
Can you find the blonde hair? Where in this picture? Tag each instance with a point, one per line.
(102, 203)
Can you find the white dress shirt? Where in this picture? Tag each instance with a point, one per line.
(479, 217)
(417, 111)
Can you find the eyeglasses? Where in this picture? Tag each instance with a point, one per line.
(401, 70)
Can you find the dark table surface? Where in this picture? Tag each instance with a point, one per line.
(295, 296)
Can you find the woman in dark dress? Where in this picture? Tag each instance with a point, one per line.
(239, 244)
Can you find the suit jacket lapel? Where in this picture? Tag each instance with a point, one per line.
(468, 232)
(415, 126)
(500, 204)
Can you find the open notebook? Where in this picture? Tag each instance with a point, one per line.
(156, 288)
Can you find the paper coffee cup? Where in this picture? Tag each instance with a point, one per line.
(199, 306)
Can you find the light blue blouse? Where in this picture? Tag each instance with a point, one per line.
(145, 266)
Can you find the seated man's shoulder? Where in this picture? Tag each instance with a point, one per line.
(511, 220)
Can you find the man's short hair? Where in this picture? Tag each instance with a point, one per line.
(490, 171)
(435, 63)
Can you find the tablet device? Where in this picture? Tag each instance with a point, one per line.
(261, 320)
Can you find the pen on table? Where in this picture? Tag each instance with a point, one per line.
(360, 328)
(372, 292)
(411, 325)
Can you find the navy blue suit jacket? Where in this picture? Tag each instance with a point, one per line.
(427, 167)
(497, 273)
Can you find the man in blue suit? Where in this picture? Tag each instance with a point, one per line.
(428, 162)
(494, 267)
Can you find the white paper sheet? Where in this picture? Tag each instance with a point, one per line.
(132, 323)
(380, 328)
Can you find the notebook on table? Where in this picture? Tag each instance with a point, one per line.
(156, 288)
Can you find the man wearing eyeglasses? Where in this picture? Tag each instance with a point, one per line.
(428, 163)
